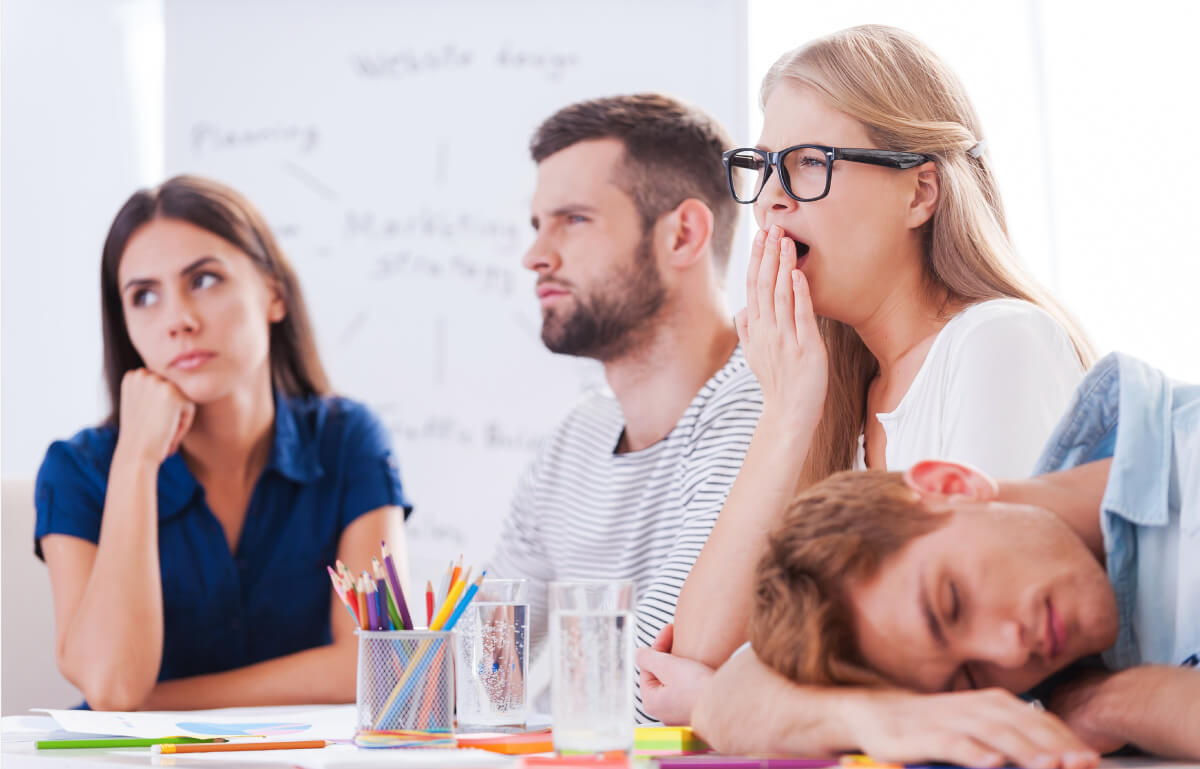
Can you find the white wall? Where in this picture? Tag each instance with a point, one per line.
(79, 136)
(79, 125)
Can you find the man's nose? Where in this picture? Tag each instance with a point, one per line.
(1005, 645)
(542, 255)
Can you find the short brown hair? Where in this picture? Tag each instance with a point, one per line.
(296, 367)
(834, 533)
(672, 153)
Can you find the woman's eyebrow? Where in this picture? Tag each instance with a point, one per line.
(198, 264)
(139, 283)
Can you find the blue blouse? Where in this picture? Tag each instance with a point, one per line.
(331, 461)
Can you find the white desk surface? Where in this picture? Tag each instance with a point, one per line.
(19, 733)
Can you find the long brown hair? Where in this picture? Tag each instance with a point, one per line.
(295, 365)
(909, 100)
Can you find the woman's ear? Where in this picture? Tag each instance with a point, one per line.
(277, 307)
(925, 195)
(937, 478)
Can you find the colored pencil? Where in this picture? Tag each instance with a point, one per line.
(348, 582)
(381, 597)
(454, 575)
(428, 603)
(125, 742)
(364, 620)
(431, 691)
(372, 602)
(466, 599)
(372, 606)
(397, 588)
(392, 611)
(439, 619)
(386, 598)
(233, 746)
(405, 682)
(341, 593)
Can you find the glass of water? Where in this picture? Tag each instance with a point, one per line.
(492, 656)
(591, 651)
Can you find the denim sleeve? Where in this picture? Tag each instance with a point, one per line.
(371, 475)
(68, 495)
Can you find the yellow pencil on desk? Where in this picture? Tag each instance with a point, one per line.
(234, 746)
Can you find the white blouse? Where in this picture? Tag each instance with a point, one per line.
(994, 384)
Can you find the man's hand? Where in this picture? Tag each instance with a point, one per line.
(749, 708)
(1075, 703)
(990, 727)
(1155, 707)
(670, 685)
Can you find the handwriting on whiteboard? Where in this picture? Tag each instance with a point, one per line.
(412, 62)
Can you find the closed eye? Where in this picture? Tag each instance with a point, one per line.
(969, 677)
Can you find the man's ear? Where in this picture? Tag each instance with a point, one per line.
(686, 233)
(937, 478)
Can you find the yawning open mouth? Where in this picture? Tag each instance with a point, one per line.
(801, 246)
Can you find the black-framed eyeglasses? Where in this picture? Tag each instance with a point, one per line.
(805, 170)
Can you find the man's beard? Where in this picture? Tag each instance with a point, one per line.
(615, 317)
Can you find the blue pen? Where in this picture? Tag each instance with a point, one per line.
(462, 604)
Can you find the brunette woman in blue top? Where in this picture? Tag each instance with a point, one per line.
(187, 536)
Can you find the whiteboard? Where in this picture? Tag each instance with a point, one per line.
(387, 144)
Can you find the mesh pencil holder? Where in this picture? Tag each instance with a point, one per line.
(405, 681)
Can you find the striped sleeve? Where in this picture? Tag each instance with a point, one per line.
(707, 469)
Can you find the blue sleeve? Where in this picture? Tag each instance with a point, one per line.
(68, 495)
(371, 476)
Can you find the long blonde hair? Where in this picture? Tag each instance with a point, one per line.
(909, 100)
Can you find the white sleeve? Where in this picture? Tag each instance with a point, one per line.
(1010, 379)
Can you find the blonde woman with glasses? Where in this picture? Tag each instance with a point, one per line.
(887, 319)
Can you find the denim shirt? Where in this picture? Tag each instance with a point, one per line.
(1150, 512)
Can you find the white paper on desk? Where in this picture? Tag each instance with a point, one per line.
(290, 723)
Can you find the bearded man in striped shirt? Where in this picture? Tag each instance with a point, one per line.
(634, 225)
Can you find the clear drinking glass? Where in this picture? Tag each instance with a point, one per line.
(492, 656)
(591, 651)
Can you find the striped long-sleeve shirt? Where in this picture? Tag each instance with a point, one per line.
(583, 511)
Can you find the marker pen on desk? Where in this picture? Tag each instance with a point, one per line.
(125, 742)
(742, 762)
